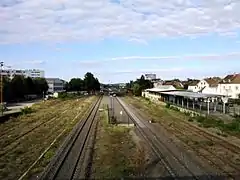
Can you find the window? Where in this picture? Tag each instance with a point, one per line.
(223, 87)
(237, 88)
(229, 87)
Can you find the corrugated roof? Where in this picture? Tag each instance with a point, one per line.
(162, 88)
(191, 94)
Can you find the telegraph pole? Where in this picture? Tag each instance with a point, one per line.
(1, 64)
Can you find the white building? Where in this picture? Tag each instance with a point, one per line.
(193, 86)
(33, 73)
(230, 86)
(152, 93)
(55, 85)
(206, 86)
(150, 76)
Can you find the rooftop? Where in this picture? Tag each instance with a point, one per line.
(162, 88)
(231, 79)
(213, 81)
(191, 94)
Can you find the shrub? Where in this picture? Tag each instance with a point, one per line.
(26, 110)
(167, 105)
(190, 119)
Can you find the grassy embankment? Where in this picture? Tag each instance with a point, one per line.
(21, 147)
(116, 155)
(166, 114)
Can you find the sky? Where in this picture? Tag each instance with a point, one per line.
(119, 40)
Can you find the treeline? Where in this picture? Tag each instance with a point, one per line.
(20, 88)
(139, 85)
(89, 83)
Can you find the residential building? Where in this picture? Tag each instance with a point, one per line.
(230, 86)
(157, 82)
(150, 76)
(177, 84)
(192, 85)
(33, 73)
(55, 85)
(207, 85)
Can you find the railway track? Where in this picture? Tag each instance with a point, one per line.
(5, 150)
(214, 153)
(219, 153)
(177, 167)
(72, 159)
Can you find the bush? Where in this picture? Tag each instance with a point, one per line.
(190, 119)
(167, 105)
(174, 108)
(26, 110)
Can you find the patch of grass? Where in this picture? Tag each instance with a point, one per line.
(164, 115)
(167, 105)
(26, 110)
(116, 155)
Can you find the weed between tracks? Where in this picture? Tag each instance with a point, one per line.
(115, 154)
(18, 155)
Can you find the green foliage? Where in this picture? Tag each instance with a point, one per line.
(89, 83)
(174, 108)
(65, 95)
(76, 84)
(167, 105)
(209, 122)
(26, 110)
(20, 87)
(139, 85)
(137, 90)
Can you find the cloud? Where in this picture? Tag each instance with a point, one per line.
(25, 21)
(34, 62)
(226, 56)
(140, 71)
(139, 41)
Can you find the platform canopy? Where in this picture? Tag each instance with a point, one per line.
(188, 94)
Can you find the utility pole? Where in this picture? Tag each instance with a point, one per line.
(1, 64)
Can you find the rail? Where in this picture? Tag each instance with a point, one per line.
(158, 146)
(66, 162)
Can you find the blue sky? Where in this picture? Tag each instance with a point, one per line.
(119, 40)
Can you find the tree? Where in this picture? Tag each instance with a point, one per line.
(17, 86)
(40, 86)
(28, 86)
(76, 84)
(142, 84)
(137, 89)
(91, 83)
(97, 84)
